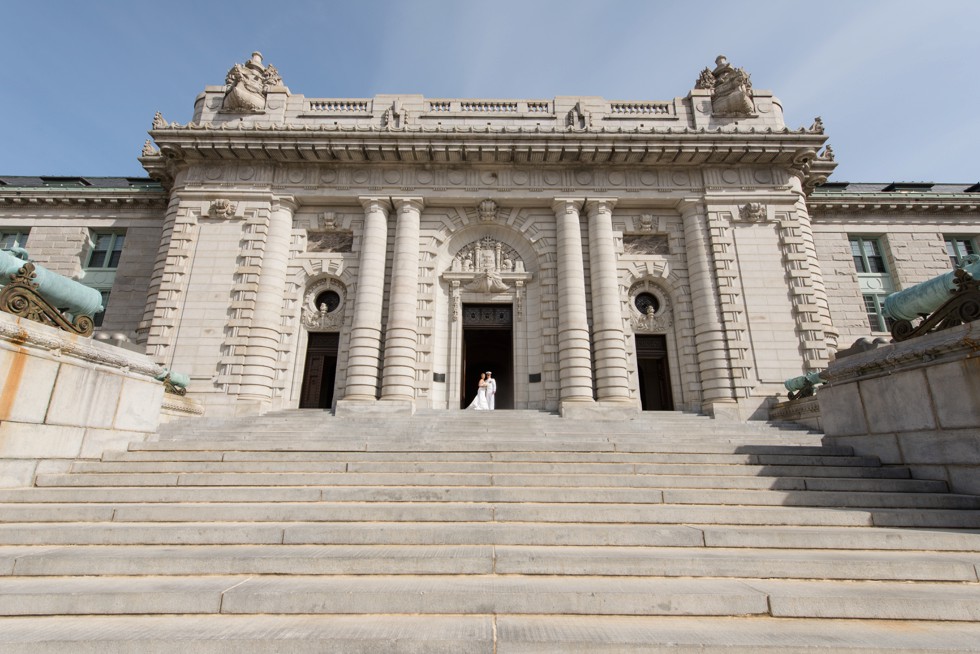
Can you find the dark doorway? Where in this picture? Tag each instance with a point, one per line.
(488, 344)
(320, 372)
(654, 373)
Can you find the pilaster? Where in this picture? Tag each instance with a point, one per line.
(265, 331)
(709, 331)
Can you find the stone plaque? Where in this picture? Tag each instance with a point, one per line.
(645, 244)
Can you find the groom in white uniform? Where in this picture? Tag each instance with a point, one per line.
(491, 388)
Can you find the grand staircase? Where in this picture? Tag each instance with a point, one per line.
(489, 532)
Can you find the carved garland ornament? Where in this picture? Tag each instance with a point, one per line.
(650, 309)
(329, 315)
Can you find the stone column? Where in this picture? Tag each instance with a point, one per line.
(709, 330)
(611, 367)
(264, 333)
(574, 352)
(365, 335)
(401, 335)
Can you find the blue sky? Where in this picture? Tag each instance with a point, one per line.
(895, 81)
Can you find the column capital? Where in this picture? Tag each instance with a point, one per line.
(567, 205)
(408, 203)
(688, 206)
(287, 202)
(600, 205)
(375, 203)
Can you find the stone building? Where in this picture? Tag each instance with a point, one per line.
(601, 257)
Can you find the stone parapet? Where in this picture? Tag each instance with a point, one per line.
(915, 403)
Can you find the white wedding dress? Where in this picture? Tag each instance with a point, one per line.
(480, 403)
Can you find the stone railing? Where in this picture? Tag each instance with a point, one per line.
(640, 109)
(340, 105)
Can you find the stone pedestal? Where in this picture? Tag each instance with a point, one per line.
(915, 403)
(64, 397)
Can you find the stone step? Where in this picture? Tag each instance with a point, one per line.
(487, 559)
(665, 477)
(495, 467)
(579, 497)
(321, 444)
(479, 594)
(586, 494)
(491, 533)
(346, 512)
(477, 634)
(481, 457)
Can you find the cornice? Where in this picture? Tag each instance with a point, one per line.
(893, 202)
(338, 144)
(93, 197)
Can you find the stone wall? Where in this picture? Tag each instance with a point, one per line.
(915, 403)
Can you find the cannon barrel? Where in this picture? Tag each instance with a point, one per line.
(799, 383)
(178, 379)
(928, 296)
(59, 291)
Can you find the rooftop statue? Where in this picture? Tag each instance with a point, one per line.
(731, 89)
(248, 85)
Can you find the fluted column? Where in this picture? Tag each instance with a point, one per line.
(611, 368)
(574, 354)
(709, 331)
(401, 336)
(265, 330)
(365, 336)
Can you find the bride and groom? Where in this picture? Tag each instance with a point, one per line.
(485, 392)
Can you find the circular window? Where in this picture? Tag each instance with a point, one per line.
(644, 301)
(329, 298)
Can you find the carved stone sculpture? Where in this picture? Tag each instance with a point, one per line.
(731, 89)
(148, 149)
(248, 85)
(487, 266)
(578, 118)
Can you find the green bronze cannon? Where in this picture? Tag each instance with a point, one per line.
(803, 386)
(943, 301)
(32, 291)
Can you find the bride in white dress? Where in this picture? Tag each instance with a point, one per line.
(480, 402)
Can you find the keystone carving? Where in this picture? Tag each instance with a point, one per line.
(731, 89)
(222, 209)
(754, 212)
(488, 211)
(249, 84)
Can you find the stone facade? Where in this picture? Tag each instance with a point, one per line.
(377, 254)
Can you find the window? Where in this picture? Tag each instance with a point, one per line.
(97, 318)
(877, 320)
(867, 255)
(106, 251)
(958, 248)
(12, 239)
(873, 278)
